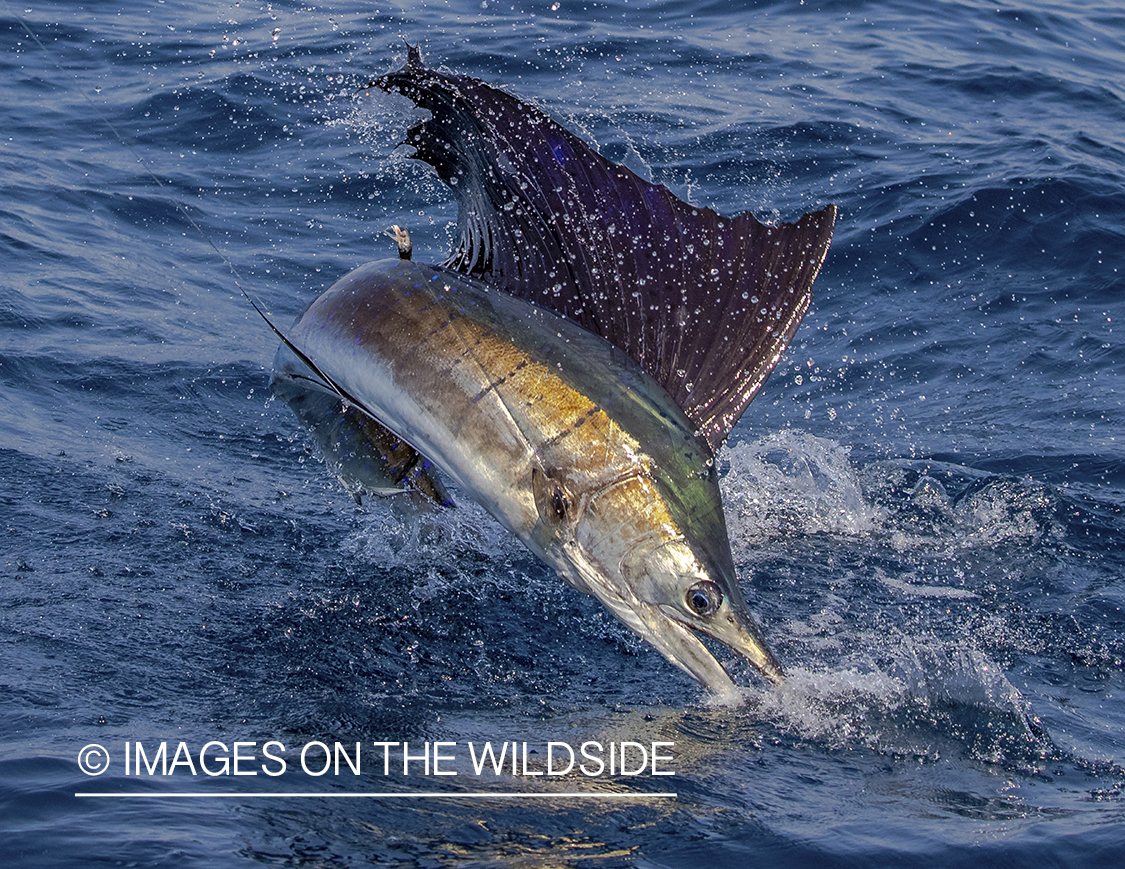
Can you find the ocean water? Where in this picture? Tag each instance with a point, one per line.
(926, 501)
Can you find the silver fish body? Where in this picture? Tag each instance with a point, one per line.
(557, 433)
(574, 365)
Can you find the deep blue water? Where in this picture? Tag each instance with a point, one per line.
(926, 500)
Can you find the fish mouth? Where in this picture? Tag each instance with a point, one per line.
(643, 572)
(739, 633)
(679, 643)
(667, 629)
(665, 577)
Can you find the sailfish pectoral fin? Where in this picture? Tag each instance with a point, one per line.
(366, 456)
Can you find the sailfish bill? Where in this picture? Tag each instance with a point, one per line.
(573, 366)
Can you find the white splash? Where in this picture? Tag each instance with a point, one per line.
(917, 700)
(792, 482)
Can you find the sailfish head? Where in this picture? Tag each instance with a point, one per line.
(634, 544)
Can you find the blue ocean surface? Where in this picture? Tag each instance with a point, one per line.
(926, 502)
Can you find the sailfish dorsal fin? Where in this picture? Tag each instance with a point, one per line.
(706, 304)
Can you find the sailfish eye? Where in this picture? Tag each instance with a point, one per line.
(704, 598)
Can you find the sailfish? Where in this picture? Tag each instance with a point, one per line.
(574, 366)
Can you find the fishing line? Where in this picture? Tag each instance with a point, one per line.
(180, 207)
(319, 377)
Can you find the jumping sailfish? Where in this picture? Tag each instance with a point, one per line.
(574, 365)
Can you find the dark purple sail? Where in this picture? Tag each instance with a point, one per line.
(706, 304)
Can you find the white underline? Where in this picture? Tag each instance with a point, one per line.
(449, 795)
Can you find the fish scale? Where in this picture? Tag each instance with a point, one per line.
(558, 427)
(557, 433)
